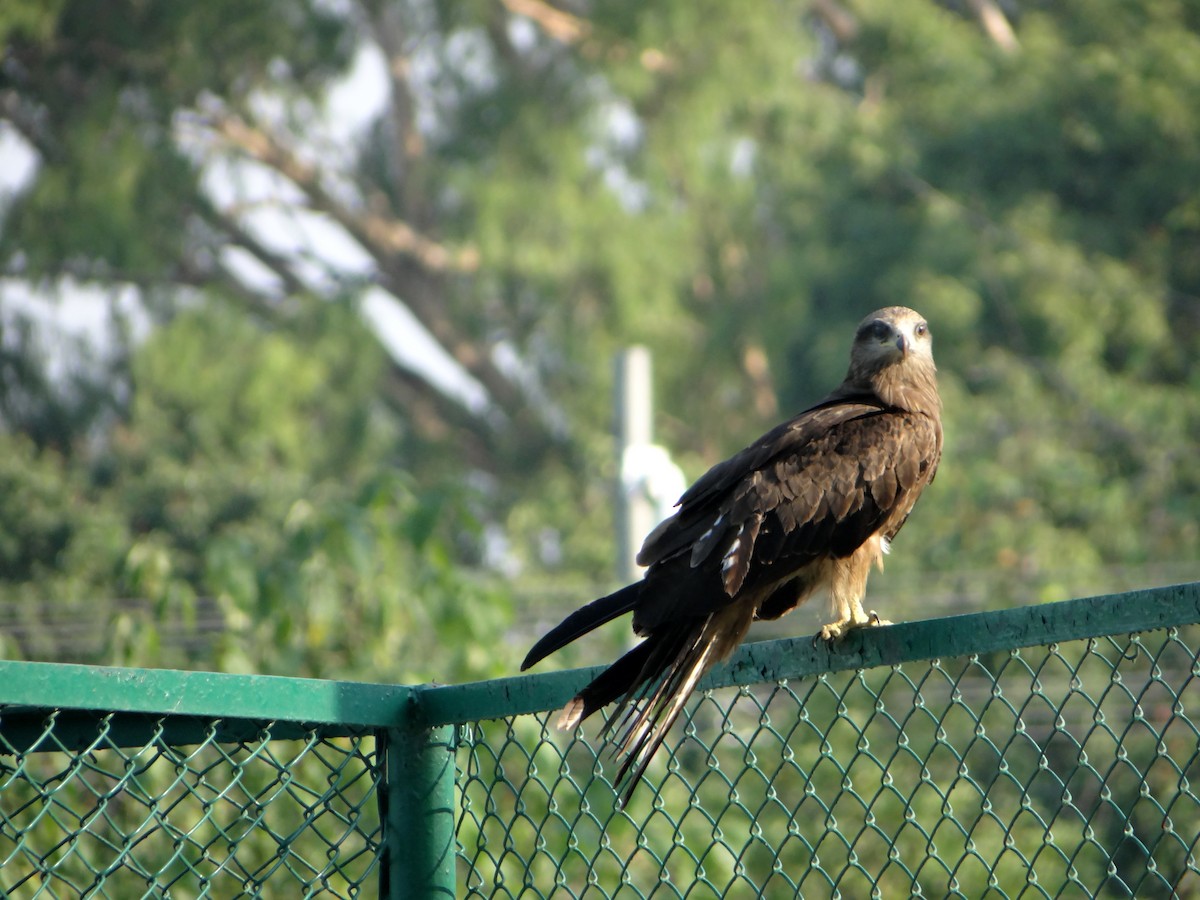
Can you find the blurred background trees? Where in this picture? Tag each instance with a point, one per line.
(222, 444)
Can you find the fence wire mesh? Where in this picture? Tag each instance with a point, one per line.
(1062, 770)
(254, 817)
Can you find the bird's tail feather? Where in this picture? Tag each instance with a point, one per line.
(608, 686)
(584, 620)
(645, 723)
(652, 682)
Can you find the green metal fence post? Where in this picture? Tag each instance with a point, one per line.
(419, 857)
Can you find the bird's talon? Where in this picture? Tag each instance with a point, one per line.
(828, 633)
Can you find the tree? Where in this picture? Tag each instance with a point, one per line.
(541, 185)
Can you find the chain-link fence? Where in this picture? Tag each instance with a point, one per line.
(1050, 751)
(123, 783)
(258, 816)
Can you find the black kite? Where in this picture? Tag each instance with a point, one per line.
(812, 504)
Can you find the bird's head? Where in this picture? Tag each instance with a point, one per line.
(892, 356)
(888, 336)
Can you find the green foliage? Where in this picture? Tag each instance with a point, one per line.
(248, 471)
(733, 188)
(375, 565)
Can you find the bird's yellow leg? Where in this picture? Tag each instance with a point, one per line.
(849, 586)
(857, 618)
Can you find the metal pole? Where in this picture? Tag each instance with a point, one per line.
(635, 511)
(419, 811)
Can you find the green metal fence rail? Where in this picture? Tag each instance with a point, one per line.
(1048, 751)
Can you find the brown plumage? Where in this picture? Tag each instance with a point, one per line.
(812, 504)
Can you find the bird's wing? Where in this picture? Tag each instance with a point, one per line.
(818, 486)
(703, 504)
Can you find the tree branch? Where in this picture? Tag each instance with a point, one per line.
(440, 421)
(407, 146)
(239, 236)
(411, 267)
(573, 31)
(423, 294)
(562, 26)
(995, 24)
(381, 235)
(839, 20)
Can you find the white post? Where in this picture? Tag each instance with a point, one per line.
(636, 513)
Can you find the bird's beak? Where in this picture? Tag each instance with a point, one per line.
(902, 345)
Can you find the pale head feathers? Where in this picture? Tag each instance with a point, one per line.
(892, 355)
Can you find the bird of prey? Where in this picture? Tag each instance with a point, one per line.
(811, 505)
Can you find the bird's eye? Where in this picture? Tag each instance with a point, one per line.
(921, 330)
